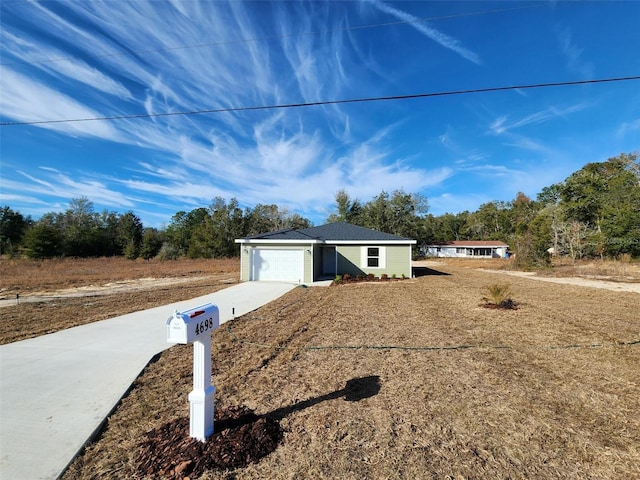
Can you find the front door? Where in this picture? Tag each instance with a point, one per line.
(329, 261)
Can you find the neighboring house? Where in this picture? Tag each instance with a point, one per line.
(310, 254)
(467, 248)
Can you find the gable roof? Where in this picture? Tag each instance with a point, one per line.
(338, 232)
(469, 243)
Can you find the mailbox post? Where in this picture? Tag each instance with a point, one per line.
(195, 326)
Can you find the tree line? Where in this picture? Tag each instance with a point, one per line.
(80, 231)
(595, 212)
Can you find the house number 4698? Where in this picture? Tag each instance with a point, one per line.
(204, 325)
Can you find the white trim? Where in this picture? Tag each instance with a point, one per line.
(382, 257)
(328, 242)
(467, 245)
(283, 242)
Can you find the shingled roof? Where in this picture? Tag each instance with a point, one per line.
(331, 232)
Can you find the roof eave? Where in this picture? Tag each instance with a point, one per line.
(271, 240)
(329, 242)
(372, 242)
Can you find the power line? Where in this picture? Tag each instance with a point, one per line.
(276, 37)
(330, 102)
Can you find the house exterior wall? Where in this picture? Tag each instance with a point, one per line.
(466, 252)
(245, 258)
(397, 260)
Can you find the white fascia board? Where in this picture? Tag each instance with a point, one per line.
(259, 241)
(329, 242)
(371, 242)
(464, 245)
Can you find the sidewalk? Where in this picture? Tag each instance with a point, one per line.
(57, 389)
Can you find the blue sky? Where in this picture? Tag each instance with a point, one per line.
(87, 59)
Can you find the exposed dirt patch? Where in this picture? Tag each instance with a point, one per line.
(627, 279)
(26, 277)
(615, 285)
(123, 286)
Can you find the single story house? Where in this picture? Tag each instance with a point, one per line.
(467, 249)
(310, 254)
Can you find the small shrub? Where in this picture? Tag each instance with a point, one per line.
(370, 277)
(404, 276)
(346, 277)
(394, 276)
(499, 296)
(624, 258)
(168, 252)
(360, 278)
(384, 277)
(337, 280)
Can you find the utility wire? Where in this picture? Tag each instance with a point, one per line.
(235, 338)
(276, 37)
(330, 102)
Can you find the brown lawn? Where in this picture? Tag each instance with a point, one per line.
(550, 390)
(58, 294)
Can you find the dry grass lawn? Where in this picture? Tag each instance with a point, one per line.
(550, 390)
(58, 294)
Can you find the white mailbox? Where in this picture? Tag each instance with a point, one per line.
(195, 326)
(187, 327)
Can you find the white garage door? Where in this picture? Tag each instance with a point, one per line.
(277, 265)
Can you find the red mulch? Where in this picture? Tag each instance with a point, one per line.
(240, 437)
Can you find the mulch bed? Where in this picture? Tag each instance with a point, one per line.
(507, 304)
(240, 437)
(346, 279)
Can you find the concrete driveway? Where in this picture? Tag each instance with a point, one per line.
(57, 389)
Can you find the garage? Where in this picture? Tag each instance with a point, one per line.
(268, 264)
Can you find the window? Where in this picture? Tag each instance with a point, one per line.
(373, 257)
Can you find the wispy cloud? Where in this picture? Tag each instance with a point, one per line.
(88, 59)
(290, 170)
(52, 183)
(443, 39)
(502, 124)
(626, 128)
(67, 69)
(27, 100)
(573, 54)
